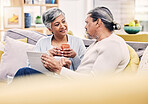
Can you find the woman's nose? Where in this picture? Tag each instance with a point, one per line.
(62, 25)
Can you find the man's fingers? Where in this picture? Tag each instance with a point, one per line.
(62, 60)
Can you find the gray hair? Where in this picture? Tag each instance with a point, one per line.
(106, 17)
(50, 15)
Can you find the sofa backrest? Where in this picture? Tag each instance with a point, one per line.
(32, 36)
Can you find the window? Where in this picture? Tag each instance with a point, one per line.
(122, 10)
(142, 13)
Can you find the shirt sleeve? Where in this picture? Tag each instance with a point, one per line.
(77, 59)
(107, 61)
(70, 74)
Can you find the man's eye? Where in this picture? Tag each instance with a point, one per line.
(63, 21)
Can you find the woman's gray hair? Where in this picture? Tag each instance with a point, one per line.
(50, 15)
(106, 17)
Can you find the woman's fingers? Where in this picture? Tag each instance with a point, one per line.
(69, 53)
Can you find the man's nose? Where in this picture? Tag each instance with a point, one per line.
(85, 27)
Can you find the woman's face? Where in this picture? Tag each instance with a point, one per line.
(59, 26)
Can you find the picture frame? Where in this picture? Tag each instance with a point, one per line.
(12, 17)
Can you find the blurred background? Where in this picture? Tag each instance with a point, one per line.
(123, 11)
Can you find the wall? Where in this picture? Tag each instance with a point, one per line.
(76, 11)
(123, 10)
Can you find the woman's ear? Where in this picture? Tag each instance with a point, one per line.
(50, 30)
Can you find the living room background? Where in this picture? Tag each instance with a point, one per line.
(76, 11)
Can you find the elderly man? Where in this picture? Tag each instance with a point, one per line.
(108, 54)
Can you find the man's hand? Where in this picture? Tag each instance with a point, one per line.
(65, 62)
(51, 63)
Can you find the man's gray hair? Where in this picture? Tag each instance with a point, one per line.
(50, 15)
(106, 16)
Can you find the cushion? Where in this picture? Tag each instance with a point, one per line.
(143, 66)
(23, 40)
(14, 57)
(134, 60)
(139, 47)
(3, 43)
(1, 49)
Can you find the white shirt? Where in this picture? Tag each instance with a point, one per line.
(106, 56)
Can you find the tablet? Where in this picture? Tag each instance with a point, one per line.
(35, 62)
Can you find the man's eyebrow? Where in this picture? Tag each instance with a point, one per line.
(63, 18)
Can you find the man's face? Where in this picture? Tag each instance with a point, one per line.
(59, 26)
(90, 26)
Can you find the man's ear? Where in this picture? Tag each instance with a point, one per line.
(99, 22)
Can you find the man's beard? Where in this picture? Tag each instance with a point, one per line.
(88, 36)
(92, 37)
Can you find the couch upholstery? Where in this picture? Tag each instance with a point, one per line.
(134, 61)
(135, 37)
(32, 36)
(105, 90)
(137, 41)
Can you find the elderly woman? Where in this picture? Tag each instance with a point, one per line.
(54, 20)
(108, 54)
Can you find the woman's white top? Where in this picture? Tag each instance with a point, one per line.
(44, 44)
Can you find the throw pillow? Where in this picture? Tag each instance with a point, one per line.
(1, 49)
(134, 61)
(14, 57)
(3, 43)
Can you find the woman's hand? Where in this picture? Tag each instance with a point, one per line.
(65, 62)
(51, 63)
(68, 52)
(55, 51)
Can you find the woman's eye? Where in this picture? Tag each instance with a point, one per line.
(56, 24)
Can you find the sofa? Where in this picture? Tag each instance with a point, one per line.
(120, 89)
(15, 51)
(137, 41)
(127, 89)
